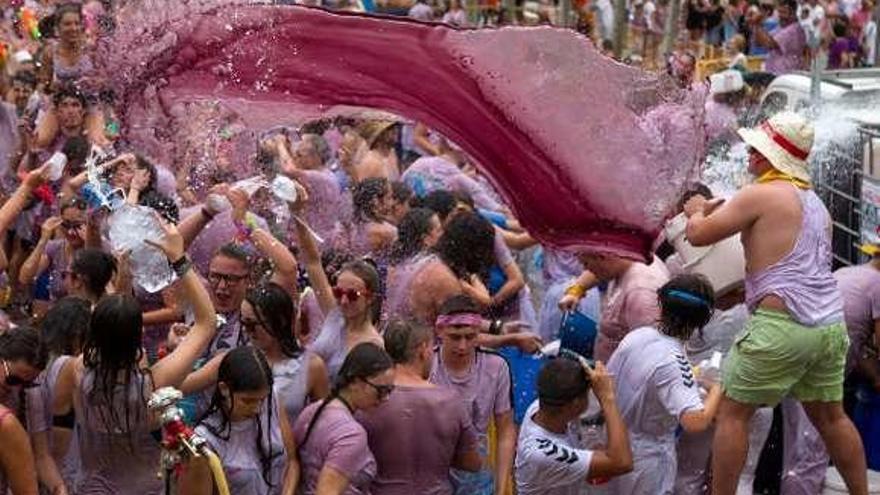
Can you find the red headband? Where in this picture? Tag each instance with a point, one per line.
(783, 142)
(459, 320)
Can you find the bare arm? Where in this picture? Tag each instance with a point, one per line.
(47, 469)
(515, 282)
(16, 203)
(422, 140)
(726, 220)
(16, 457)
(292, 473)
(331, 482)
(172, 369)
(312, 259)
(700, 420)
(319, 381)
(47, 129)
(518, 240)
(617, 458)
(203, 377)
(505, 447)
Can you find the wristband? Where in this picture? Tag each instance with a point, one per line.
(576, 290)
(181, 266)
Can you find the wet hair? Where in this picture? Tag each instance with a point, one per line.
(686, 305)
(698, 189)
(561, 381)
(317, 126)
(791, 4)
(234, 251)
(65, 325)
(74, 202)
(244, 369)
(112, 350)
(441, 201)
(67, 8)
(321, 147)
(142, 163)
(23, 344)
(368, 273)
(402, 339)
(26, 78)
(69, 91)
(840, 29)
(411, 233)
(332, 260)
(459, 304)
(77, 149)
(401, 192)
(363, 361)
(364, 196)
(95, 268)
(163, 205)
(276, 312)
(467, 245)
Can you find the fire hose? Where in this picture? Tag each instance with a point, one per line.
(180, 443)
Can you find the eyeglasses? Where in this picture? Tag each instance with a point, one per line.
(229, 279)
(382, 391)
(350, 294)
(71, 225)
(17, 381)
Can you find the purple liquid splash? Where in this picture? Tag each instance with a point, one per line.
(589, 153)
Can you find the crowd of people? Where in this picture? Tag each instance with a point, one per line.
(354, 335)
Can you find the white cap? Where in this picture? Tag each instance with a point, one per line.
(23, 56)
(728, 81)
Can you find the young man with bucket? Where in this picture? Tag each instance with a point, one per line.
(795, 342)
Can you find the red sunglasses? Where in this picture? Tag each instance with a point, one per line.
(350, 294)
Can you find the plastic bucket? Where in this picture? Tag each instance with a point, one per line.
(577, 333)
(524, 369)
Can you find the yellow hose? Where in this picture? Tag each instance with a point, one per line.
(217, 470)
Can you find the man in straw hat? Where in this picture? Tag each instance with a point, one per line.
(795, 341)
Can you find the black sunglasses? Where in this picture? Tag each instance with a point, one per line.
(382, 391)
(16, 381)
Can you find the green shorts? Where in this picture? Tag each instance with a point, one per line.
(775, 356)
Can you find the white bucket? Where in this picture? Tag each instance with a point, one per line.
(834, 484)
(723, 263)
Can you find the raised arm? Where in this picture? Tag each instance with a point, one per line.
(617, 458)
(16, 203)
(16, 457)
(312, 259)
(37, 261)
(172, 369)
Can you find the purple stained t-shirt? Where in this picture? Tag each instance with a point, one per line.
(485, 388)
(415, 435)
(789, 57)
(337, 441)
(860, 286)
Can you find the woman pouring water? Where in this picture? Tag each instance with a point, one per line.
(656, 388)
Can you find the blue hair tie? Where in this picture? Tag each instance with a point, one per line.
(688, 297)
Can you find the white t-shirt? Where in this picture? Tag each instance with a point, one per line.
(549, 463)
(654, 383)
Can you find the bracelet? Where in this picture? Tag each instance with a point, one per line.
(576, 290)
(181, 266)
(495, 327)
(246, 228)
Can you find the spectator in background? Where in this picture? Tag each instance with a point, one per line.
(456, 15)
(786, 44)
(844, 49)
(421, 11)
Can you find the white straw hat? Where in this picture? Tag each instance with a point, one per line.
(785, 140)
(728, 81)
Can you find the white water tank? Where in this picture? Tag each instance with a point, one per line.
(834, 484)
(723, 263)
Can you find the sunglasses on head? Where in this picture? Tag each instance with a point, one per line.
(16, 381)
(350, 294)
(382, 391)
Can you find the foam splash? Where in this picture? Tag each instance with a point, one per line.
(588, 153)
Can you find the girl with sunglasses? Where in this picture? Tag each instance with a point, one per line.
(247, 429)
(267, 318)
(108, 386)
(351, 306)
(334, 454)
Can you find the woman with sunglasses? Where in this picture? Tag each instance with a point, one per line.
(53, 255)
(247, 429)
(63, 330)
(351, 306)
(17, 473)
(334, 455)
(267, 318)
(108, 386)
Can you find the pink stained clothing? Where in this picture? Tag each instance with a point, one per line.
(311, 316)
(860, 287)
(789, 57)
(40, 417)
(629, 303)
(416, 435)
(327, 203)
(398, 292)
(456, 18)
(337, 440)
(430, 173)
(485, 389)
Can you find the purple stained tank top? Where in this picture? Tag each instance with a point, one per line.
(39, 410)
(71, 73)
(291, 384)
(111, 460)
(803, 279)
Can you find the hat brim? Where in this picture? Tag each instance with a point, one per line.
(779, 158)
